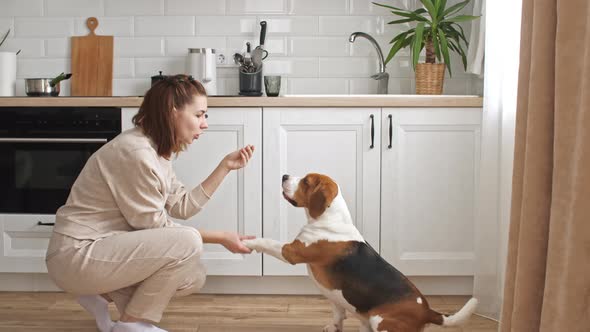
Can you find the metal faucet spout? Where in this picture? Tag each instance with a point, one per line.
(375, 44)
(381, 77)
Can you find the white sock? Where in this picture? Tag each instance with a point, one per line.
(98, 307)
(135, 327)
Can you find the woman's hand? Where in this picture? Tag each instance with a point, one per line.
(233, 242)
(238, 159)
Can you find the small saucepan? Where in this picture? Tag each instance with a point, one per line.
(44, 87)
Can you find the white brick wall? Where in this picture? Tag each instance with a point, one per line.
(307, 41)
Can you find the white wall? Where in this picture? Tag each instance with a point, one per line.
(308, 41)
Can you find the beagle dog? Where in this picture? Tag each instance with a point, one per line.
(346, 269)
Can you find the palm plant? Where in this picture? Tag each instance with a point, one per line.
(436, 29)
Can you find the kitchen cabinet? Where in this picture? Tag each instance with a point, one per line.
(23, 242)
(343, 143)
(412, 196)
(429, 172)
(237, 203)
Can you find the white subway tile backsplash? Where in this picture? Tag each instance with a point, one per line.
(227, 86)
(107, 26)
(241, 7)
(292, 67)
(164, 26)
(367, 7)
(32, 68)
(319, 7)
(178, 46)
(400, 66)
(348, 67)
(228, 71)
(227, 25)
(22, 8)
(476, 86)
(316, 86)
(58, 47)
(30, 48)
(318, 46)
(5, 24)
(147, 67)
(43, 27)
(362, 47)
(140, 47)
(362, 86)
(133, 7)
(84, 8)
(302, 25)
(345, 25)
(307, 41)
(131, 87)
(456, 86)
(195, 7)
(123, 68)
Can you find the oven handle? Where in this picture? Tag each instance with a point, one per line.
(52, 140)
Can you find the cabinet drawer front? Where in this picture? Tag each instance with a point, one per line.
(24, 242)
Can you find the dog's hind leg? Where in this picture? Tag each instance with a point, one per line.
(339, 315)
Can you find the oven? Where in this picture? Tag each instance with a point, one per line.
(43, 149)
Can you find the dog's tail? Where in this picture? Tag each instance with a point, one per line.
(459, 318)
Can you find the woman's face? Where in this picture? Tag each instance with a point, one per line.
(192, 120)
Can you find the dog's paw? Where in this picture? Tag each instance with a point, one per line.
(331, 328)
(253, 244)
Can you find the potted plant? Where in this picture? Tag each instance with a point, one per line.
(436, 29)
(7, 70)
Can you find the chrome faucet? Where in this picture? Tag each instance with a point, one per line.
(382, 77)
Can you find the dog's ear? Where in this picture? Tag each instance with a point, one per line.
(321, 198)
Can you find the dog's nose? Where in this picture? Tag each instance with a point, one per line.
(285, 177)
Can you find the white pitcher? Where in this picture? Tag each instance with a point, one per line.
(7, 74)
(202, 65)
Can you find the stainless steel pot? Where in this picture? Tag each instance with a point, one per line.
(40, 87)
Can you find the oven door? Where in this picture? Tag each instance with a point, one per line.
(36, 174)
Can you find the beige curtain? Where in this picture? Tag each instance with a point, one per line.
(548, 269)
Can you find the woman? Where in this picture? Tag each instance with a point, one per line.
(113, 236)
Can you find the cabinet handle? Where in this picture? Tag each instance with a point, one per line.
(390, 131)
(45, 223)
(372, 131)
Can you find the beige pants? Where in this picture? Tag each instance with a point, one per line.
(140, 270)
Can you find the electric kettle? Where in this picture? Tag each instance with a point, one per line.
(202, 65)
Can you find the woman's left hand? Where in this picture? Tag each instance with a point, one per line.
(233, 243)
(239, 158)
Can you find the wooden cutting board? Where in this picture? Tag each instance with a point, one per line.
(92, 63)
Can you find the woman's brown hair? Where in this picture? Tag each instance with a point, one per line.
(156, 113)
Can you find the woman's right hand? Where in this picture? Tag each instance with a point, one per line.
(233, 242)
(239, 158)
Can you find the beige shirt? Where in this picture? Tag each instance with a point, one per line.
(126, 186)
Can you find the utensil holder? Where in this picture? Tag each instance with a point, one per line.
(251, 83)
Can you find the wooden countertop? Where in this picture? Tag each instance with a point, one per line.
(287, 101)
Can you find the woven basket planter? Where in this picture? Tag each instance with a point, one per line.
(430, 78)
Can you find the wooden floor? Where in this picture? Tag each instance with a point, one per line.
(203, 313)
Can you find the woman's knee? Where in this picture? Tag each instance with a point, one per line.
(191, 241)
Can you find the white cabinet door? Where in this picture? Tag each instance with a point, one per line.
(237, 203)
(428, 188)
(335, 142)
(23, 242)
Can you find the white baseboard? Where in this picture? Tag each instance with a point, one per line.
(40, 282)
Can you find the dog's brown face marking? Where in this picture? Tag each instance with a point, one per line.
(315, 192)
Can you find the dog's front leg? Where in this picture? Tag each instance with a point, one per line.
(266, 246)
(339, 314)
